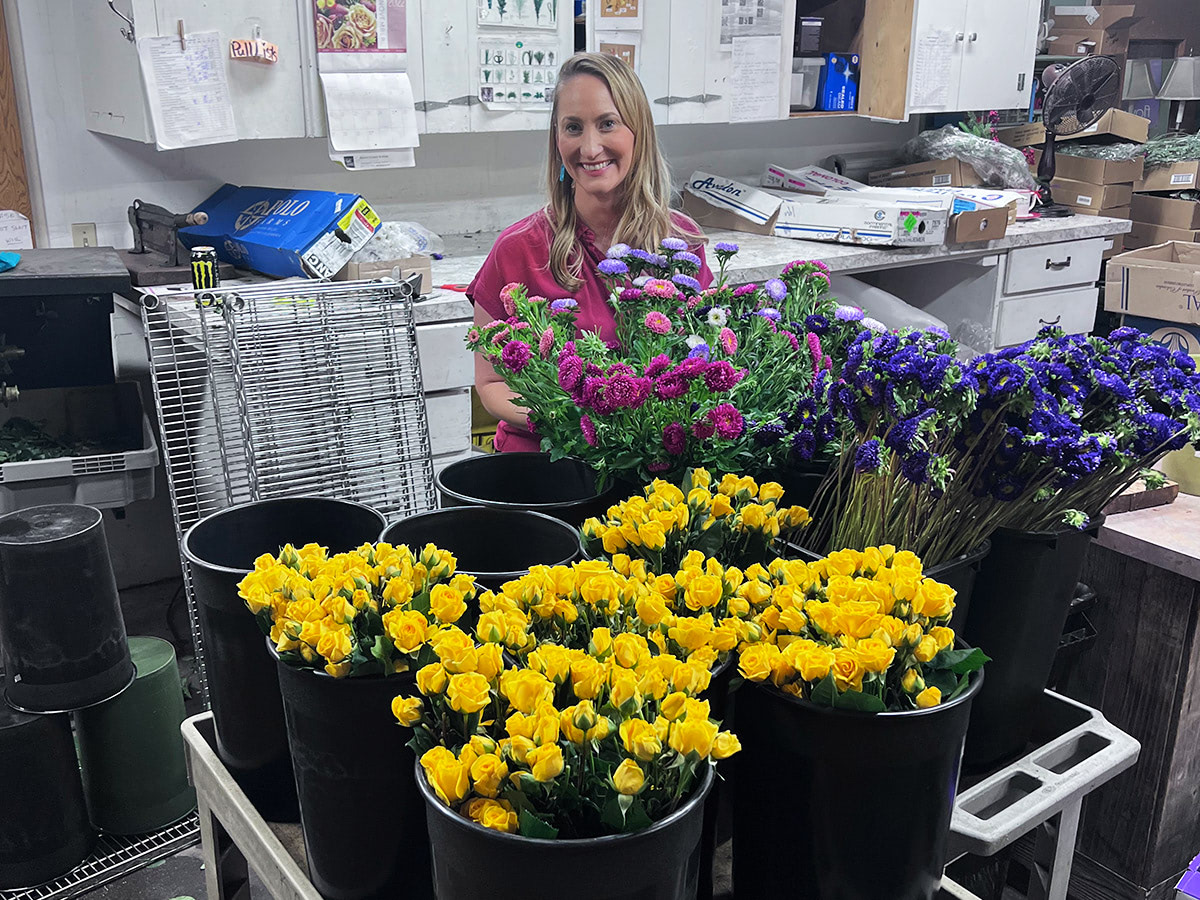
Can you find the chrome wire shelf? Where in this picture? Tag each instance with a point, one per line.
(113, 857)
(288, 389)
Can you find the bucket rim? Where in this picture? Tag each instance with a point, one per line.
(485, 460)
(1092, 528)
(97, 519)
(185, 543)
(433, 802)
(320, 673)
(510, 575)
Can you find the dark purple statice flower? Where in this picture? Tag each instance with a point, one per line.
(770, 434)
(804, 444)
(816, 323)
(866, 457)
(915, 466)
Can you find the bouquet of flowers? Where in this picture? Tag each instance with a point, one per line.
(734, 519)
(378, 610)
(858, 630)
(698, 377)
(571, 744)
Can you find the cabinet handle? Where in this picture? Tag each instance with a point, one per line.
(959, 36)
(1058, 265)
(973, 36)
(1057, 319)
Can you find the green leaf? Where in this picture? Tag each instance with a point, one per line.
(943, 679)
(613, 814)
(531, 826)
(824, 693)
(960, 662)
(421, 603)
(637, 819)
(962, 686)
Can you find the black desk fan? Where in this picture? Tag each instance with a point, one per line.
(1075, 100)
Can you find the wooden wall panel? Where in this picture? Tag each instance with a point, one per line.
(14, 188)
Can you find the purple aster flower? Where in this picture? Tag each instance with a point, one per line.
(848, 314)
(692, 367)
(769, 435)
(873, 324)
(670, 387)
(686, 281)
(769, 312)
(804, 444)
(629, 294)
(816, 323)
(612, 267)
(900, 436)
(725, 247)
(1114, 385)
(674, 244)
(745, 289)
(657, 365)
(866, 457)
(1125, 333)
(721, 376)
(826, 428)
(703, 429)
(1008, 488)
(700, 351)
(686, 257)
(727, 420)
(618, 251)
(516, 355)
(657, 322)
(570, 371)
(674, 439)
(558, 306)
(776, 290)
(640, 281)
(589, 430)
(915, 466)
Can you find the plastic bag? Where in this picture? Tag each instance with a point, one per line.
(400, 240)
(1116, 152)
(997, 164)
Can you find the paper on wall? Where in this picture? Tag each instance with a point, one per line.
(931, 69)
(750, 18)
(365, 160)
(618, 15)
(361, 26)
(624, 45)
(370, 110)
(755, 84)
(519, 13)
(187, 90)
(14, 231)
(517, 72)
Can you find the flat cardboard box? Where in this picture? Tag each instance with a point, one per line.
(1144, 234)
(1166, 211)
(807, 180)
(1121, 212)
(978, 225)
(1090, 196)
(1028, 135)
(934, 173)
(1085, 16)
(1180, 177)
(1160, 282)
(1115, 124)
(1093, 171)
(386, 268)
(1088, 42)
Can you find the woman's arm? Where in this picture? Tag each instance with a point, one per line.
(495, 395)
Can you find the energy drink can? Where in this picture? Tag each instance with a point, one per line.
(205, 274)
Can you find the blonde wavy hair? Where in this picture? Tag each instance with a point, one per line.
(646, 189)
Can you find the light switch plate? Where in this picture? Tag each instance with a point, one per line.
(83, 234)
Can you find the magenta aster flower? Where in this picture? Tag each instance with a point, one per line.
(728, 341)
(619, 368)
(814, 347)
(727, 421)
(472, 335)
(657, 365)
(507, 297)
(693, 366)
(791, 339)
(674, 439)
(744, 290)
(546, 343)
(721, 376)
(516, 355)
(630, 294)
(570, 371)
(589, 430)
(657, 322)
(703, 429)
(657, 287)
(670, 387)
(623, 391)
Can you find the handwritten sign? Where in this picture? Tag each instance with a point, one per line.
(255, 50)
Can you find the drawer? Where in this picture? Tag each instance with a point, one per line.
(449, 421)
(1053, 266)
(445, 360)
(1021, 318)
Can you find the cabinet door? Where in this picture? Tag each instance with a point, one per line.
(997, 60)
(268, 100)
(936, 58)
(113, 102)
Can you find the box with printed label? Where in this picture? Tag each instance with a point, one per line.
(1088, 42)
(277, 231)
(1116, 124)
(1166, 211)
(1027, 135)
(1161, 282)
(837, 88)
(935, 173)
(1143, 234)
(1118, 246)
(1120, 212)
(1181, 176)
(808, 180)
(1094, 171)
(1090, 196)
(390, 268)
(1109, 17)
(1183, 336)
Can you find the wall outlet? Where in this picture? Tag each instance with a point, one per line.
(83, 234)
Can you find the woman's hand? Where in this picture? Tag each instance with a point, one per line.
(495, 395)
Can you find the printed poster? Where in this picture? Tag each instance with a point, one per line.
(618, 15)
(361, 26)
(517, 74)
(750, 18)
(520, 13)
(624, 45)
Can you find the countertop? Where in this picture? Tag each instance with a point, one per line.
(1162, 536)
(65, 271)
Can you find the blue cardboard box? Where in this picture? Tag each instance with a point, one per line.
(838, 87)
(1183, 336)
(283, 232)
(1189, 885)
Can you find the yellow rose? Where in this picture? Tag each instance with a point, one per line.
(823, 615)
(526, 689)
(693, 735)
(449, 779)
(793, 620)
(446, 604)
(613, 541)
(674, 705)
(498, 815)
(407, 710)
(943, 635)
(407, 628)
(704, 592)
(587, 677)
(815, 663)
(488, 773)
(912, 682)
(630, 650)
(754, 516)
(652, 535)
(927, 649)
(455, 648)
(757, 661)
(847, 672)
(725, 744)
(858, 618)
(335, 646)
(432, 679)
(640, 738)
(651, 609)
(546, 762)
(690, 678)
(721, 506)
(601, 643)
(489, 660)
(934, 599)
(518, 747)
(931, 696)
(624, 689)
(628, 777)
(874, 655)
(468, 693)
(699, 497)
(701, 478)
(398, 591)
(770, 492)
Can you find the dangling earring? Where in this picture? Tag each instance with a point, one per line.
(562, 173)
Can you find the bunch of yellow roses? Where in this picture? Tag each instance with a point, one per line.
(860, 630)
(570, 743)
(734, 519)
(380, 609)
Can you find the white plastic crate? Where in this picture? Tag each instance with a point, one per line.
(113, 412)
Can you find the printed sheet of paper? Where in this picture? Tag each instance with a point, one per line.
(624, 45)
(750, 18)
(370, 111)
(187, 90)
(14, 231)
(517, 72)
(618, 15)
(755, 83)
(361, 26)
(931, 69)
(521, 13)
(365, 160)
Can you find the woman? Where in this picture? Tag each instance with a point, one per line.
(607, 183)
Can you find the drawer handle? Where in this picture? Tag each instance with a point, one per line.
(1057, 319)
(1058, 265)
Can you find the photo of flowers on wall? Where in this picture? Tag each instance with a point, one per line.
(348, 26)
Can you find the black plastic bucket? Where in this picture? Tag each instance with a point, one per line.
(44, 830)
(837, 805)
(719, 805)
(472, 862)
(60, 616)
(564, 488)
(360, 810)
(243, 687)
(494, 545)
(799, 482)
(959, 573)
(1021, 600)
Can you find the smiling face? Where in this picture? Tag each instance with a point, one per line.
(595, 144)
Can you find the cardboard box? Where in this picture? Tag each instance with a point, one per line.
(283, 232)
(1121, 212)
(1093, 197)
(979, 225)
(1093, 171)
(1109, 17)
(935, 173)
(1160, 282)
(1118, 246)
(808, 180)
(837, 88)
(1088, 42)
(1176, 335)
(386, 268)
(1166, 211)
(1144, 234)
(1189, 885)
(1180, 177)
(1117, 124)
(1028, 135)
